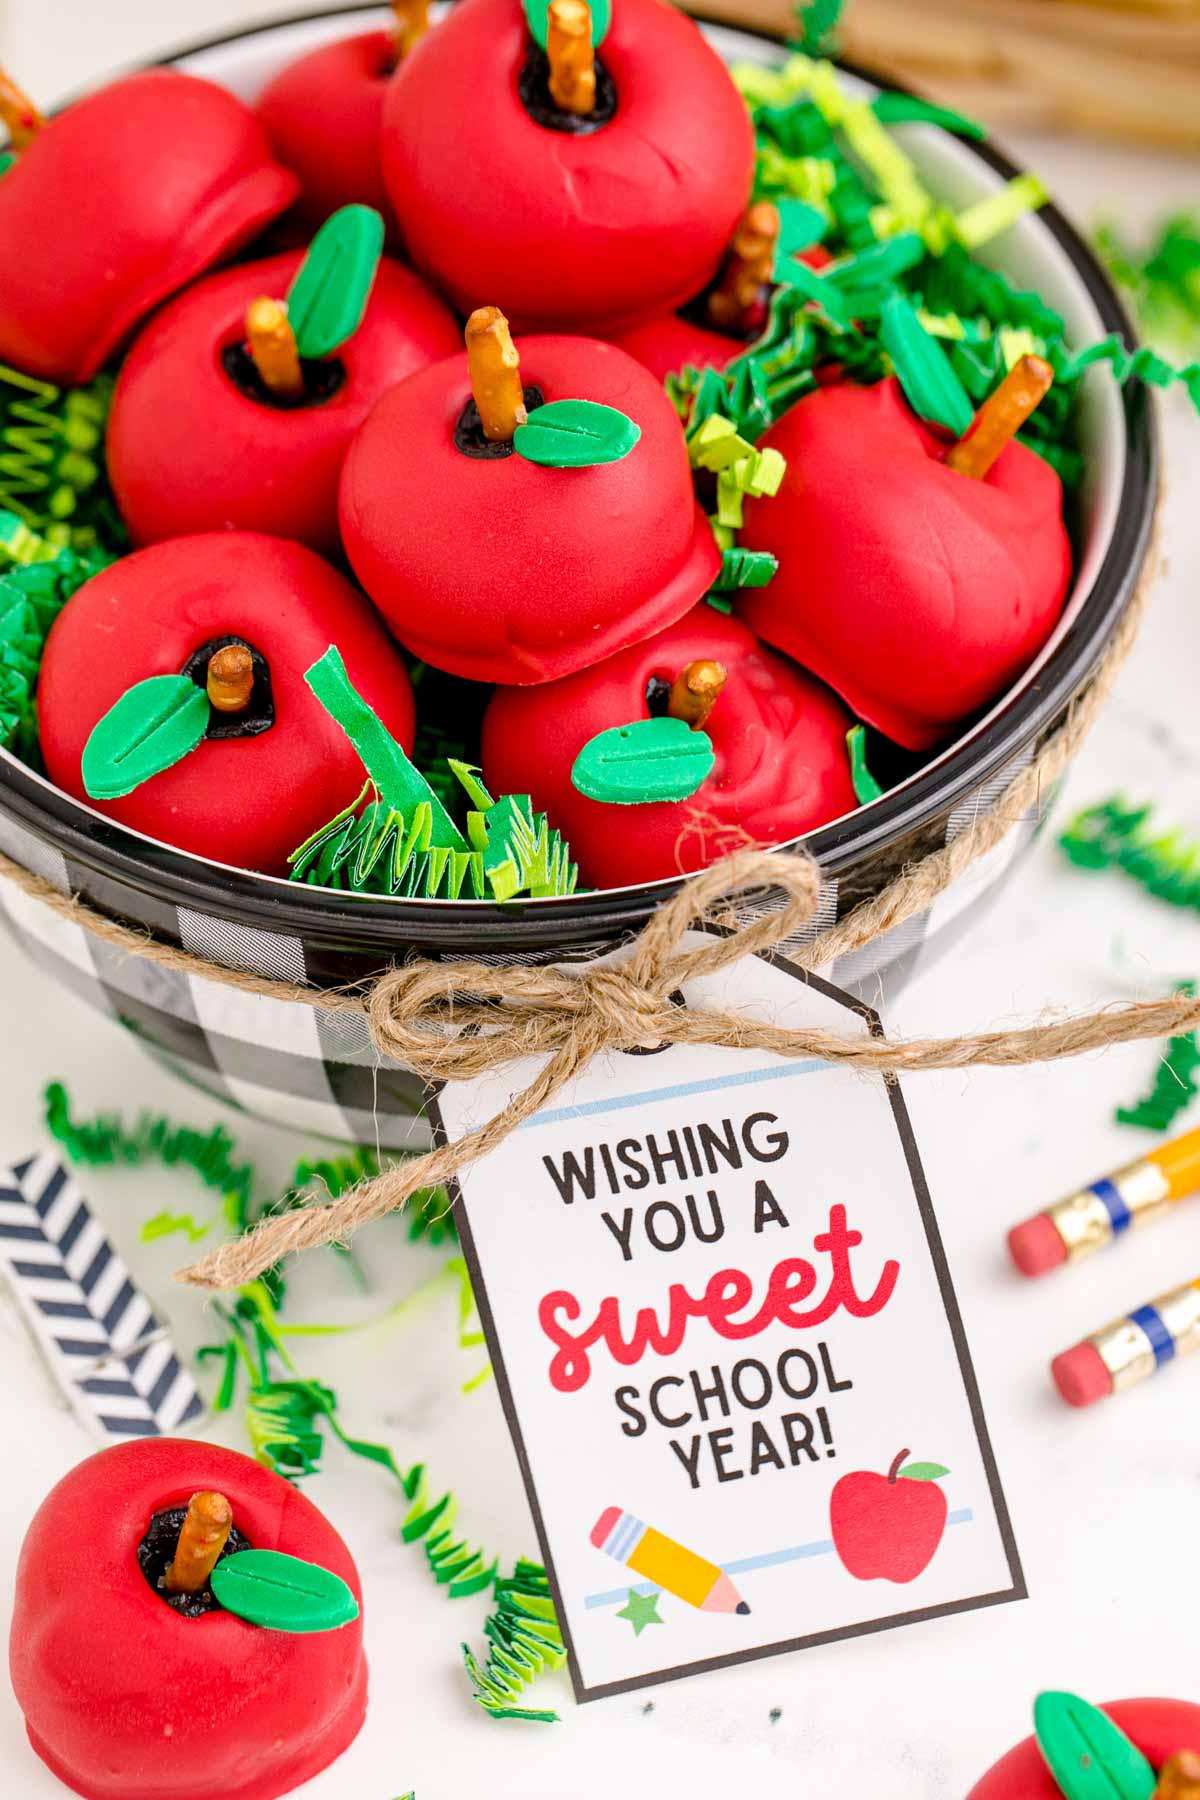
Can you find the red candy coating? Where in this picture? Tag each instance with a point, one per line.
(245, 801)
(917, 593)
(117, 203)
(1081, 1375)
(322, 114)
(189, 451)
(502, 570)
(126, 1700)
(1035, 1246)
(1159, 1728)
(779, 738)
(560, 231)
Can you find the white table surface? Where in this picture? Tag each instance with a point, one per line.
(1105, 1504)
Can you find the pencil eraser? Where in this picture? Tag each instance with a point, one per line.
(1081, 1376)
(603, 1526)
(1035, 1246)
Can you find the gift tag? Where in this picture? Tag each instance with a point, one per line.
(729, 1349)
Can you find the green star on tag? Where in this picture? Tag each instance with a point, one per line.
(641, 1610)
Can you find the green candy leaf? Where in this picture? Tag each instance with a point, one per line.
(920, 1471)
(652, 759)
(575, 434)
(283, 1593)
(535, 18)
(923, 369)
(329, 295)
(152, 727)
(866, 788)
(7, 159)
(1089, 1756)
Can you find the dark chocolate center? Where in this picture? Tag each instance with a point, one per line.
(468, 433)
(533, 89)
(258, 717)
(156, 1552)
(323, 376)
(658, 694)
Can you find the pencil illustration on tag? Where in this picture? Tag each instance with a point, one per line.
(669, 1565)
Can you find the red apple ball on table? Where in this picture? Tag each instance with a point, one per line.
(172, 695)
(323, 111)
(116, 204)
(1138, 1749)
(237, 402)
(917, 577)
(524, 510)
(186, 1626)
(581, 172)
(758, 748)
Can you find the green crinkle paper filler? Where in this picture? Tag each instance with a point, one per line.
(1089, 1756)
(1113, 834)
(648, 760)
(52, 473)
(524, 1641)
(575, 434)
(1163, 280)
(153, 726)
(891, 108)
(866, 788)
(329, 295)
(398, 838)
(33, 591)
(923, 369)
(1175, 1081)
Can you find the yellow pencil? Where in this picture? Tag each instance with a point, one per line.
(664, 1562)
(1097, 1214)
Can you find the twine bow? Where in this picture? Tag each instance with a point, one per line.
(458, 1020)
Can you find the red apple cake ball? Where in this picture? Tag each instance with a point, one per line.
(505, 199)
(245, 800)
(117, 203)
(497, 568)
(1161, 1729)
(778, 736)
(127, 1699)
(197, 442)
(917, 593)
(322, 113)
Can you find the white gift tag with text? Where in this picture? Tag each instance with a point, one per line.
(729, 1350)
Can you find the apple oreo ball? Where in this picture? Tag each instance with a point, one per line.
(582, 171)
(323, 112)
(1078, 1751)
(116, 204)
(518, 516)
(186, 1626)
(665, 756)
(172, 695)
(917, 577)
(234, 408)
(716, 327)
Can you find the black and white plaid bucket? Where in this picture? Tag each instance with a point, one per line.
(302, 1067)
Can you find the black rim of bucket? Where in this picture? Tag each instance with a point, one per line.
(357, 924)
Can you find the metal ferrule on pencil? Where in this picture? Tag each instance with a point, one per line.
(1134, 1347)
(1091, 1218)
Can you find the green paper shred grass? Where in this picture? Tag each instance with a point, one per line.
(34, 587)
(1163, 281)
(52, 473)
(524, 1641)
(1114, 835)
(1174, 1085)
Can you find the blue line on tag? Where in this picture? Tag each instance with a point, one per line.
(770, 1559)
(744, 1078)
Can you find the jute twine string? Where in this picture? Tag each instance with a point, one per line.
(452, 1021)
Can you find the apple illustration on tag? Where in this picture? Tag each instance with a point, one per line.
(887, 1527)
